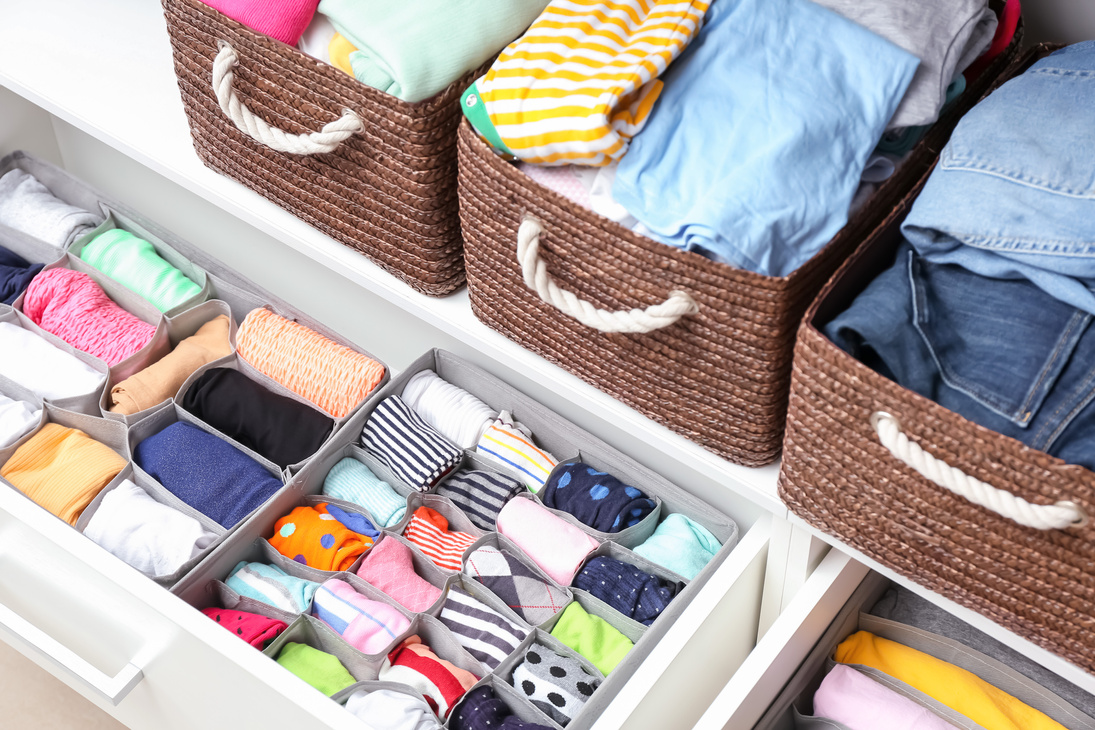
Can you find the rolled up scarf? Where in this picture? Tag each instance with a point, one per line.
(534, 599)
(274, 426)
(454, 412)
(480, 494)
(482, 710)
(254, 628)
(39, 366)
(440, 681)
(321, 371)
(208, 473)
(631, 591)
(592, 637)
(312, 537)
(28, 205)
(486, 634)
(271, 585)
(557, 546)
(318, 668)
(15, 274)
(152, 537)
(391, 710)
(429, 531)
(17, 419)
(860, 703)
(597, 499)
(352, 481)
(62, 469)
(367, 625)
(681, 545)
(72, 306)
(557, 684)
(390, 567)
(412, 449)
(283, 20)
(511, 445)
(162, 379)
(134, 263)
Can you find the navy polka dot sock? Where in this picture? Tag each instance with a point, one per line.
(597, 499)
(631, 591)
(558, 685)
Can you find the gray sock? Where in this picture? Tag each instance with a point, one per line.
(557, 684)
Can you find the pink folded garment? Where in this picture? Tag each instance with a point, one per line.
(854, 699)
(367, 625)
(389, 567)
(554, 544)
(72, 306)
(284, 20)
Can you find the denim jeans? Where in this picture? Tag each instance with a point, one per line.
(1000, 352)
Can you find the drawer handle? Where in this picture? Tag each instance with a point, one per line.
(1039, 516)
(112, 689)
(325, 140)
(654, 317)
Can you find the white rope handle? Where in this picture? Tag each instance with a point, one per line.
(1042, 517)
(325, 140)
(654, 317)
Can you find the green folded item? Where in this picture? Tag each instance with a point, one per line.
(681, 545)
(134, 263)
(318, 668)
(592, 637)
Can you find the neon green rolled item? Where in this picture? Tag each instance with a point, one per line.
(134, 263)
(318, 668)
(592, 637)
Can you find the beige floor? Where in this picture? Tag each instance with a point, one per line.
(31, 697)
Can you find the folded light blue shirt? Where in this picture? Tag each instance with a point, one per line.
(756, 146)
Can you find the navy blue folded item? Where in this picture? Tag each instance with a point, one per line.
(355, 521)
(482, 710)
(208, 473)
(597, 499)
(631, 591)
(15, 274)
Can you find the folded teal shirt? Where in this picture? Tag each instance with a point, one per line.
(681, 545)
(134, 263)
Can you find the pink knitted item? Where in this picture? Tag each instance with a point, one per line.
(284, 20)
(72, 306)
(389, 567)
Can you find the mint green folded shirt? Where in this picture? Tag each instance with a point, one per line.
(134, 263)
(681, 545)
(414, 50)
(318, 668)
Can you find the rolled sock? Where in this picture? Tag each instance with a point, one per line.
(162, 379)
(592, 637)
(154, 538)
(134, 263)
(559, 685)
(391, 710)
(276, 427)
(487, 635)
(429, 531)
(511, 445)
(318, 668)
(254, 628)
(352, 481)
(596, 498)
(453, 412)
(557, 546)
(519, 587)
(681, 545)
(72, 306)
(62, 469)
(17, 419)
(208, 473)
(39, 366)
(440, 681)
(389, 566)
(633, 592)
(482, 710)
(367, 625)
(271, 585)
(412, 449)
(15, 274)
(480, 494)
(283, 20)
(312, 537)
(860, 703)
(28, 205)
(354, 521)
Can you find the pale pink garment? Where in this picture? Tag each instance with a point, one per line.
(563, 180)
(284, 20)
(389, 567)
(854, 699)
(554, 544)
(367, 625)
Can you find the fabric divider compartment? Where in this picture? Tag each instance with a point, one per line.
(594, 606)
(544, 638)
(480, 592)
(219, 595)
(371, 592)
(15, 391)
(372, 685)
(60, 183)
(501, 542)
(316, 634)
(34, 250)
(514, 702)
(458, 521)
(616, 551)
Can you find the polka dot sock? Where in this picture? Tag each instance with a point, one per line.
(633, 592)
(256, 629)
(311, 536)
(557, 684)
(597, 499)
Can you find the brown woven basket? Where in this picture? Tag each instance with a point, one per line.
(838, 476)
(718, 377)
(388, 191)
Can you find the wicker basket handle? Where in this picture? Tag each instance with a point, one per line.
(325, 140)
(1042, 517)
(654, 317)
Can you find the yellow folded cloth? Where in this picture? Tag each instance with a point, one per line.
(62, 469)
(338, 51)
(958, 689)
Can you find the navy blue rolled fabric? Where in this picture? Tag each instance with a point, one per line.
(633, 592)
(597, 499)
(482, 710)
(15, 274)
(208, 473)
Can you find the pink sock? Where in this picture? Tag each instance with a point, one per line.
(284, 20)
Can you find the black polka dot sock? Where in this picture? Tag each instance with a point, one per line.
(556, 684)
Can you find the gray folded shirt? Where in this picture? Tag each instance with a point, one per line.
(28, 205)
